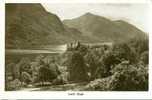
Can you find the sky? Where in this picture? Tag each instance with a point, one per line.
(136, 14)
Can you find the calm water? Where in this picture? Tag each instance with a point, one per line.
(43, 49)
(48, 49)
(15, 55)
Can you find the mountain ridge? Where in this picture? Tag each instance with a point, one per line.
(31, 24)
(104, 28)
(28, 25)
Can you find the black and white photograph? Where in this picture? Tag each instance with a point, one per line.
(76, 47)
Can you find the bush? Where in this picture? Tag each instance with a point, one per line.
(46, 74)
(26, 77)
(22, 66)
(48, 70)
(109, 60)
(124, 52)
(140, 44)
(124, 77)
(13, 85)
(145, 57)
(97, 85)
(129, 78)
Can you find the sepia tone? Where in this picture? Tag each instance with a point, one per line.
(86, 53)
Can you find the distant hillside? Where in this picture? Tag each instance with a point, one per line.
(28, 25)
(104, 29)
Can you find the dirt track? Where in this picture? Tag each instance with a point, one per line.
(65, 87)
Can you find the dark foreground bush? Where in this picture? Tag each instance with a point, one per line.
(125, 78)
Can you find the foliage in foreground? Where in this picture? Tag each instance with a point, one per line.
(124, 78)
(122, 67)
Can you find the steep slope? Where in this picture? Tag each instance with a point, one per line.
(29, 25)
(103, 28)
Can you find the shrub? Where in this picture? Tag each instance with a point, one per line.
(140, 44)
(124, 52)
(129, 77)
(97, 85)
(22, 66)
(26, 77)
(45, 74)
(145, 57)
(48, 70)
(13, 85)
(125, 77)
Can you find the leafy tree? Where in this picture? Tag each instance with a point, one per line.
(124, 52)
(125, 77)
(140, 44)
(93, 61)
(129, 77)
(77, 68)
(48, 70)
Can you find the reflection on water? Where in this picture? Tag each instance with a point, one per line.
(43, 49)
(49, 49)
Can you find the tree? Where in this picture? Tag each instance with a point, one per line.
(145, 57)
(77, 68)
(124, 52)
(48, 70)
(128, 77)
(93, 61)
(23, 66)
(125, 77)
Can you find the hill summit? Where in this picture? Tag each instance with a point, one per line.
(103, 28)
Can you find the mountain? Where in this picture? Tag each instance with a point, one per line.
(30, 25)
(104, 29)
